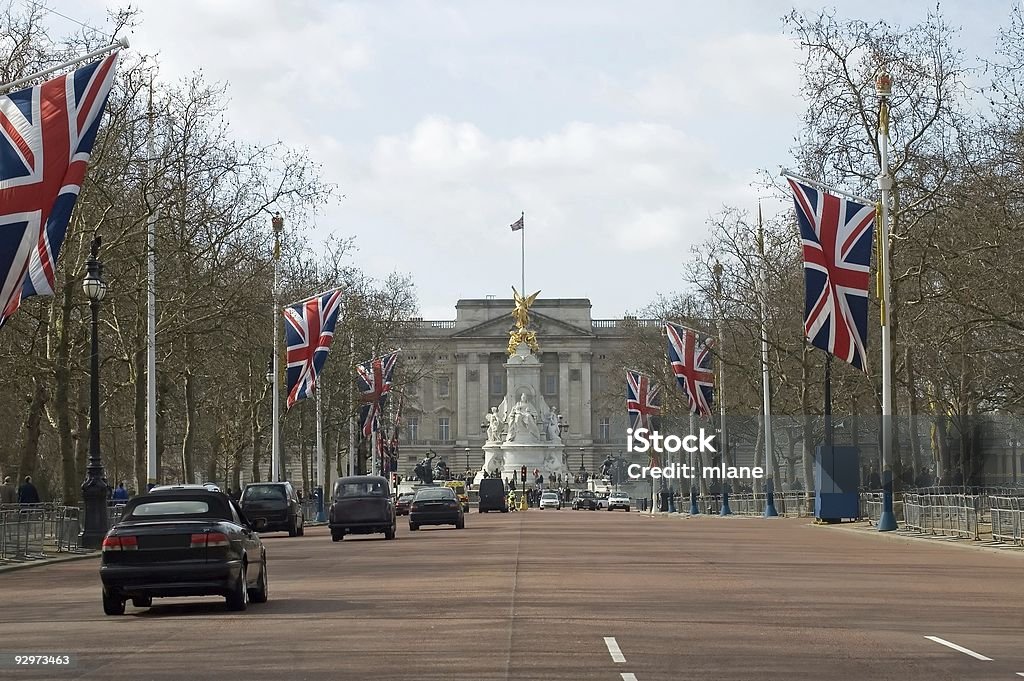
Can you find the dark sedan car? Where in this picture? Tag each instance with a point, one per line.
(362, 505)
(403, 503)
(278, 504)
(585, 500)
(182, 541)
(436, 506)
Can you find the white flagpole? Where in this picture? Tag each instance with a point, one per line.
(522, 234)
(766, 398)
(275, 452)
(122, 43)
(720, 388)
(352, 415)
(887, 520)
(152, 474)
(319, 438)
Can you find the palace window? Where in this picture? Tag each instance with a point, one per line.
(443, 428)
(443, 386)
(605, 429)
(497, 384)
(413, 425)
(551, 384)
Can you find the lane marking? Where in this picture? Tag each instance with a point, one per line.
(965, 651)
(1020, 673)
(629, 676)
(614, 650)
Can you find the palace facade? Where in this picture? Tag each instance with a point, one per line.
(457, 374)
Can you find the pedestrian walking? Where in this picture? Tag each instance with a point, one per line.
(27, 492)
(120, 494)
(8, 492)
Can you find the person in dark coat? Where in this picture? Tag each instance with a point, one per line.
(27, 492)
(120, 494)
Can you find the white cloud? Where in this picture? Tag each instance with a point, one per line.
(750, 72)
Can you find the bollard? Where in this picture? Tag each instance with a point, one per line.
(769, 500)
(725, 510)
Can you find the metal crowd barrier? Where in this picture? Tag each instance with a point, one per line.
(1007, 515)
(36, 531)
(948, 515)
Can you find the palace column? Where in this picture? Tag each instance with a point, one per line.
(461, 407)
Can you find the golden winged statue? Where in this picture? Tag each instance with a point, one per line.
(521, 315)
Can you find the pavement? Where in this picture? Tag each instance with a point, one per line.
(555, 595)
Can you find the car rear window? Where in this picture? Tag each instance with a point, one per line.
(549, 495)
(442, 493)
(263, 493)
(365, 488)
(171, 507)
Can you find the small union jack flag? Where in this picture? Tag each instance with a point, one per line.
(46, 136)
(836, 234)
(373, 379)
(309, 330)
(643, 399)
(690, 357)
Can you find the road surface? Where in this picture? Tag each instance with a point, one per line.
(556, 595)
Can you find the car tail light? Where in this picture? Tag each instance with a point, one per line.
(120, 543)
(209, 539)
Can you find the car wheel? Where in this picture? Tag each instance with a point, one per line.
(461, 524)
(302, 527)
(337, 535)
(113, 604)
(262, 590)
(413, 527)
(293, 528)
(142, 601)
(627, 509)
(238, 599)
(389, 533)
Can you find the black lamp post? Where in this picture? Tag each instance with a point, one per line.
(95, 488)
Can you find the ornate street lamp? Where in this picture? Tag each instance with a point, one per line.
(95, 488)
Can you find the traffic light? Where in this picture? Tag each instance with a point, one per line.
(522, 474)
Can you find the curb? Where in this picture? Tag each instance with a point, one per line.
(935, 540)
(47, 561)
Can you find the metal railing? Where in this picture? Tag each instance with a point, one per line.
(948, 515)
(36, 531)
(1007, 515)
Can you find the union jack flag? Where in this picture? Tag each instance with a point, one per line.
(836, 234)
(643, 399)
(373, 379)
(46, 136)
(690, 357)
(309, 330)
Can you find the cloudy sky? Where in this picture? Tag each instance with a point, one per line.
(618, 127)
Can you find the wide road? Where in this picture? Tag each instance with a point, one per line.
(557, 595)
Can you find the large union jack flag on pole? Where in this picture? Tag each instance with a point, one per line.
(690, 357)
(309, 330)
(643, 399)
(836, 234)
(46, 136)
(373, 379)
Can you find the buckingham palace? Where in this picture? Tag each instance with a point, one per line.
(454, 373)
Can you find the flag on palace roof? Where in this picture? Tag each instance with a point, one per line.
(518, 224)
(46, 137)
(836, 235)
(690, 356)
(309, 330)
